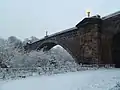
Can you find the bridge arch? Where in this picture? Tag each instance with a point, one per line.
(49, 44)
(116, 50)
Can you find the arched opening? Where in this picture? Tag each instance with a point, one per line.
(47, 46)
(60, 48)
(116, 50)
(60, 54)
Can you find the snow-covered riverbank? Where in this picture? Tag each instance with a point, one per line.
(101, 79)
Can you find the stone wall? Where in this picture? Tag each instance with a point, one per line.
(89, 45)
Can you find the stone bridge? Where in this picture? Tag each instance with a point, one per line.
(94, 40)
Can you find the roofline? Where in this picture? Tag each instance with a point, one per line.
(111, 15)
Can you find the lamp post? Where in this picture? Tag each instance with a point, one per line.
(88, 13)
(46, 33)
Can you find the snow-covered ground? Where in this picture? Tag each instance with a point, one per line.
(101, 79)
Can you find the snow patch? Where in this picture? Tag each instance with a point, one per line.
(102, 79)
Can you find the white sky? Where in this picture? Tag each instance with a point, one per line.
(26, 18)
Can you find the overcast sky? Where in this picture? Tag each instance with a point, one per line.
(25, 18)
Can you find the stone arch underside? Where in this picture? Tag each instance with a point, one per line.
(47, 45)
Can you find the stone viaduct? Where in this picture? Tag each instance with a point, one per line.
(94, 40)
